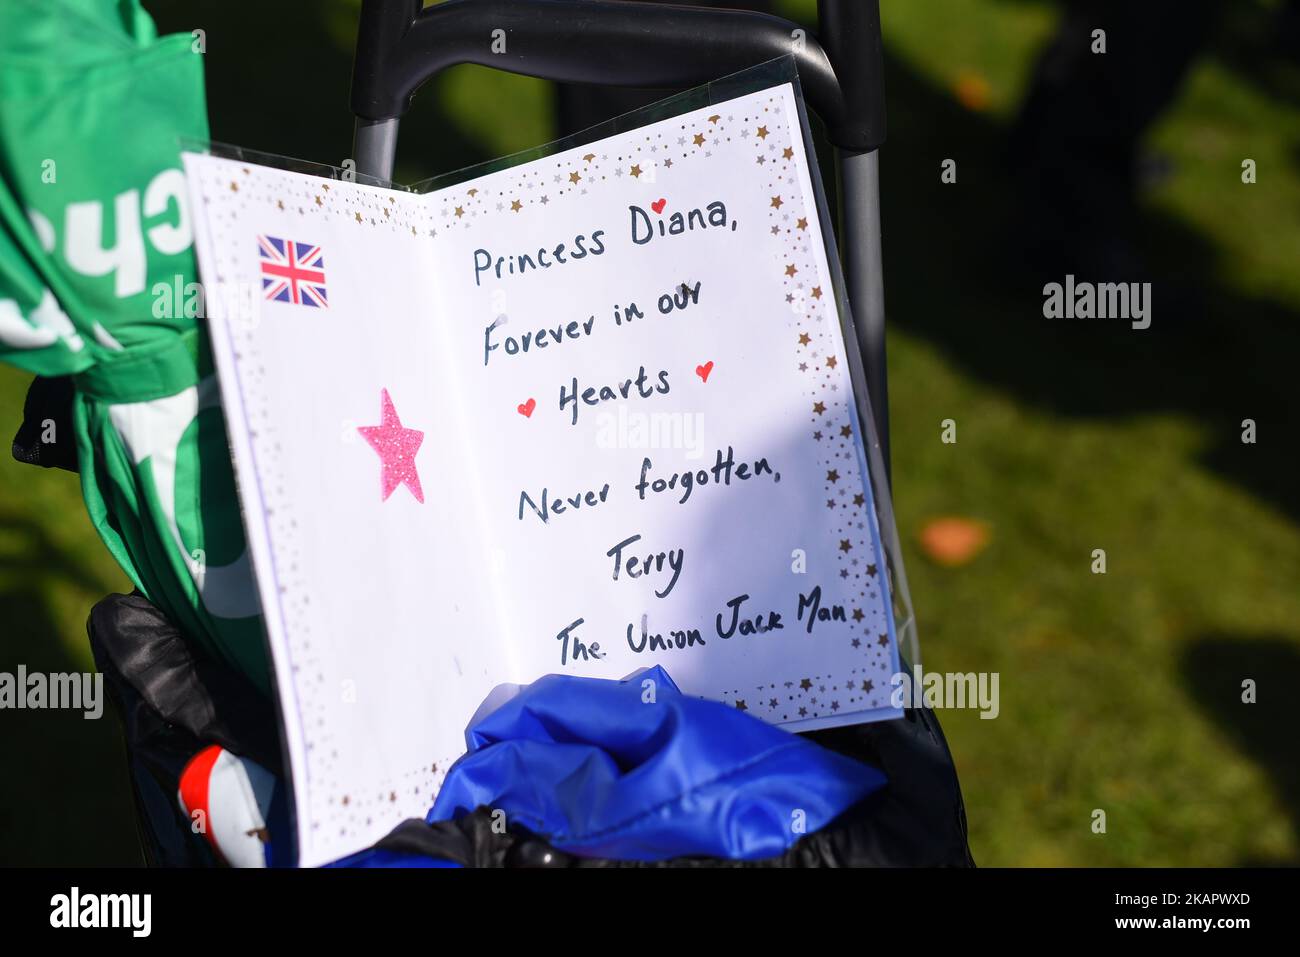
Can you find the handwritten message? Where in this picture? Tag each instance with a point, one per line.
(585, 414)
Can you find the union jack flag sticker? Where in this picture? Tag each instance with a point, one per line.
(292, 272)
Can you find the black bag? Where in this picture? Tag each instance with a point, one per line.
(173, 703)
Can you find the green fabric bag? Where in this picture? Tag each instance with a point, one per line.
(95, 241)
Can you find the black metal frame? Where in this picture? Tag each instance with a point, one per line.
(648, 45)
(401, 45)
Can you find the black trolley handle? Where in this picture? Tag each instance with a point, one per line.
(401, 45)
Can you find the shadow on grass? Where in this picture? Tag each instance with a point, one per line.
(66, 798)
(1215, 667)
(958, 273)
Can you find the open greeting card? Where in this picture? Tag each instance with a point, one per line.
(587, 412)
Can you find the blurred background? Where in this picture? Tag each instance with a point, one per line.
(1119, 691)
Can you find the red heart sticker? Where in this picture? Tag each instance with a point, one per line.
(704, 370)
(658, 206)
(526, 408)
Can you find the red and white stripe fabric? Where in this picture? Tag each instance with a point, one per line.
(227, 799)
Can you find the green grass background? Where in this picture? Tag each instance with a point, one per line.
(1119, 692)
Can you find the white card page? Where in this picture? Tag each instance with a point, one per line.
(398, 372)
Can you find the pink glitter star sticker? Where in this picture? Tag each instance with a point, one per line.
(396, 446)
